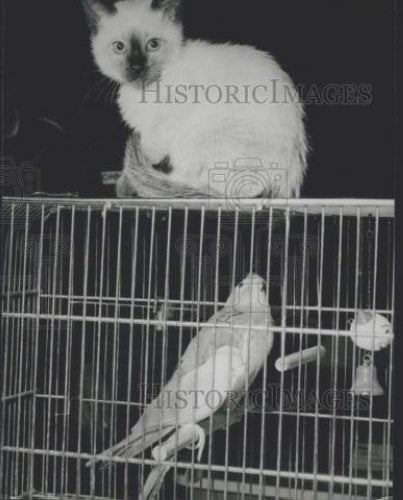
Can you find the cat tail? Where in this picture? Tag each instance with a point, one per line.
(140, 179)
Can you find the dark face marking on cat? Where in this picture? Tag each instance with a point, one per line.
(136, 61)
(170, 7)
(164, 166)
(108, 5)
(95, 8)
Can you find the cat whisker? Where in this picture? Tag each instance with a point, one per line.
(108, 95)
(93, 72)
(99, 88)
(115, 93)
(95, 86)
(108, 92)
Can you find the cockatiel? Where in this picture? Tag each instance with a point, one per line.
(218, 366)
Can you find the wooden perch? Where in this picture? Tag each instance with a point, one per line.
(302, 357)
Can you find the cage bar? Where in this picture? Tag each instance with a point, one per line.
(101, 297)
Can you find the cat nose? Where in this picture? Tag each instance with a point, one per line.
(135, 65)
(134, 70)
(135, 61)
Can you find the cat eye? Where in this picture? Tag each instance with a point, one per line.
(153, 44)
(119, 47)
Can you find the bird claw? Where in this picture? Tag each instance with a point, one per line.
(201, 439)
(189, 436)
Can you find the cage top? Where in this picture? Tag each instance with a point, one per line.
(318, 206)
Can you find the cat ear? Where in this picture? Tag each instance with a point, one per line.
(170, 7)
(95, 10)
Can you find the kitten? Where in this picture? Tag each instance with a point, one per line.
(188, 142)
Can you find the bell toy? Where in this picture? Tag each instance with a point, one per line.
(371, 332)
(366, 381)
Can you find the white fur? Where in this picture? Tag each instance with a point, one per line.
(132, 17)
(198, 136)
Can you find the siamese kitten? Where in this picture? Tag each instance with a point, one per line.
(205, 117)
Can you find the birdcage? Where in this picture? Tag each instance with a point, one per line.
(100, 298)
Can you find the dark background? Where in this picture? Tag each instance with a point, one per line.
(49, 73)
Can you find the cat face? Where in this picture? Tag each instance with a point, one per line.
(133, 40)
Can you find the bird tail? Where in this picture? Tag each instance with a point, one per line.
(130, 447)
(154, 482)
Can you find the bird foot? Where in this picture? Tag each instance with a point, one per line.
(189, 436)
(201, 439)
(160, 453)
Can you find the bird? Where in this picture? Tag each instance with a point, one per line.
(171, 447)
(214, 373)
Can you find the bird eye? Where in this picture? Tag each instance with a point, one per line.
(119, 47)
(154, 44)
